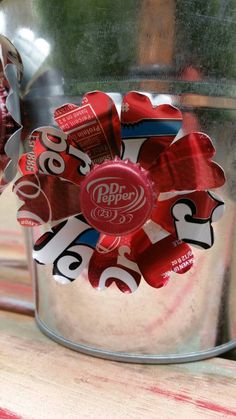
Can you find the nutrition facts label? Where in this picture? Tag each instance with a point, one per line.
(84, 128)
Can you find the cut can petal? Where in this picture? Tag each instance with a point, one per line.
(158, 253)
(51, 154)
(10, 56)
(68, 247)
(187, 165)
(113, 263)
(46, 199)
(189, 216)
(93, 127)
(10, 119)
(7, 124)
(147, 130)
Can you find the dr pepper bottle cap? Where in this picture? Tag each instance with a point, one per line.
(117, 197)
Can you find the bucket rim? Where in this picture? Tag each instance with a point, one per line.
(133, 357)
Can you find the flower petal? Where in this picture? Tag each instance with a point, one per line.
(68, 246)
(10, 119)
(52, 155)
(147, 130)
(158, 253)
(189, 216)
(7, 124)
(46, 198)
(113, 263)
(9, 55)
(187, 165)
(94, 127)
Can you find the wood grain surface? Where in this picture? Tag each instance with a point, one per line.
(40, 379)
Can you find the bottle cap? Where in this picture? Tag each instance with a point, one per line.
(117, 197)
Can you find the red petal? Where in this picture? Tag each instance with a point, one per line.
(94, 126)
(46, 198)
(150, 129)
(51, 154)
(68, 246)
(140, 107)
(112, 262)
(157, 260)
(187, 165)
(190, 215)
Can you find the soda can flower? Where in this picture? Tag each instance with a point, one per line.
(11, 71)
(125, 197)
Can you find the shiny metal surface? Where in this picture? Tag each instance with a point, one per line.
(180, 52)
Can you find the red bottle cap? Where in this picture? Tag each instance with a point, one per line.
(117, 197)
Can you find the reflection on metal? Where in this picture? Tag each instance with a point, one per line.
(33, 50)
(200, 101)
(2, 22)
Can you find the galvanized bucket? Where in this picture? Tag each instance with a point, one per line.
(180, 54)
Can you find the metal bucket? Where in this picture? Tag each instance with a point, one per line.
(178, 52)
(192, 318)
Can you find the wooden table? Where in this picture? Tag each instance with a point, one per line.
(40, 379)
